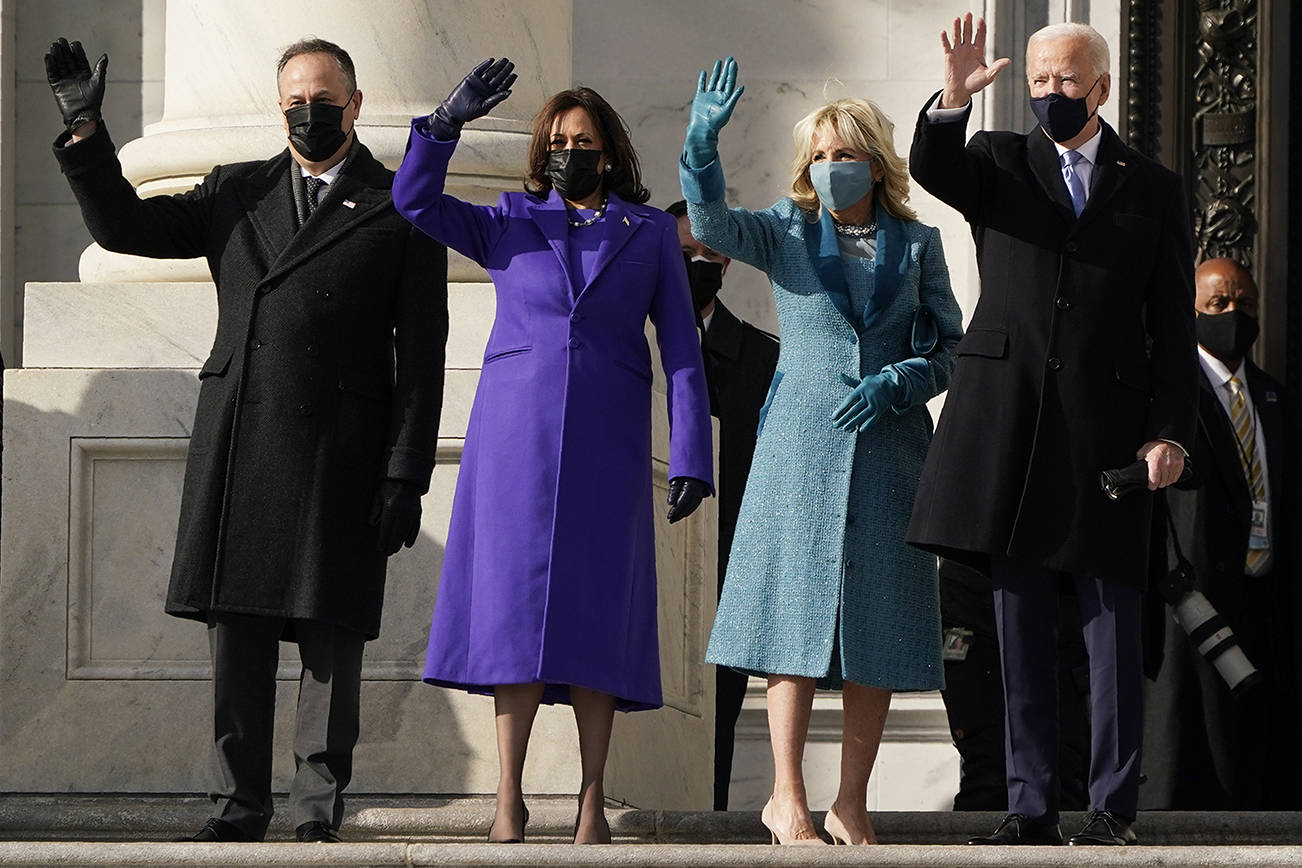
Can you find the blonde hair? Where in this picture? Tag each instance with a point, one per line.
(864, 127)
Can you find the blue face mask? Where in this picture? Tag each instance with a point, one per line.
(840, 184)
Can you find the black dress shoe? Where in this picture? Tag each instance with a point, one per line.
(316, 832)
(1106, 828)
(217, 831)
(1021, 829)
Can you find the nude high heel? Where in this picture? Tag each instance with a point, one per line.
(776, 836)
(835, 828)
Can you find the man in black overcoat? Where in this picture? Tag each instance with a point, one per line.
(1205, 750)
(1080, 357)
(739, 363)
(317, 420)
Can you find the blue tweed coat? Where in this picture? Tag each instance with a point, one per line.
(820, 582)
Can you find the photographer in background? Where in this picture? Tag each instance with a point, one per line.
(1203, 749)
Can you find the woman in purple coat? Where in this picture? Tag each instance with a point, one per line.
(548, 589)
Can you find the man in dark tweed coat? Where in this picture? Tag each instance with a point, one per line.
(317, 419)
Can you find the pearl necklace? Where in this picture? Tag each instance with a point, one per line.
(851, 231)
(596, 215)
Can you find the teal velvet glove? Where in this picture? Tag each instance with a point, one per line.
(716, 97)
(898, 387)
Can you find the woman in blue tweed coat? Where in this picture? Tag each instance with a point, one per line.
(821, 588)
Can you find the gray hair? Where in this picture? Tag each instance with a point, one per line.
(313, 45)
(1094, 41)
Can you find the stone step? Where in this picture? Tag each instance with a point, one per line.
(409, 855)
(384, 820)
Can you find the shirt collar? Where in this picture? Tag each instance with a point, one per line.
(328, 176)
(1089, 150)
(1217, 371)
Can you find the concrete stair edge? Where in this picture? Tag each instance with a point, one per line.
(53, 817)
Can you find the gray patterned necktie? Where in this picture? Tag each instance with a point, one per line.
(312, 186)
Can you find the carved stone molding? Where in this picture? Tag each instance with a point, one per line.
(1224, 81)
(1143, 67)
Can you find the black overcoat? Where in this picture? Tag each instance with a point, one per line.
(1080, 350)
(1203, 749)
(739, 363)
(325, 377)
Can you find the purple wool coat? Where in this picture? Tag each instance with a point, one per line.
(549, 572)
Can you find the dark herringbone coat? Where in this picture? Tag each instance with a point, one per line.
(325, 377)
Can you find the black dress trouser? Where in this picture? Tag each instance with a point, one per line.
(245, 652)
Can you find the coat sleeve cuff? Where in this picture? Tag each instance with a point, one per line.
(701, 185)
(410, 466)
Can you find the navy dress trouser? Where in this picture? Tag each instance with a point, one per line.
(1026, 616)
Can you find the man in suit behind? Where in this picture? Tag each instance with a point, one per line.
(1205, 750)
(1079, 357)
(739, 364)
(317, 418)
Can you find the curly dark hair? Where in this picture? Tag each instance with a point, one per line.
(625, 175)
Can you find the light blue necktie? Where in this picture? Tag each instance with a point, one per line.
(1075, 187)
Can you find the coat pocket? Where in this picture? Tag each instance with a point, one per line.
(1136, 376)
(502, 354)
(768, 402)
(644, 375)
(987, 343)
(367, 384)
(216, 364)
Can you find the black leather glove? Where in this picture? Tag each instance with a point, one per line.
(78, 91)
(396, 511)
(486, 86)
(685, 494)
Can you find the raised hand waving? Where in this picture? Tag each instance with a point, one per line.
(716, 97)
(487, 85)
(966, 71)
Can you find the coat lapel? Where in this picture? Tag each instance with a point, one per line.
(1220, 435)
(1045, 165)
(891, 265)
(360, 190)
(618, 228)
(1110, 172)
(550, 217)
(268, 199)
(825, 255)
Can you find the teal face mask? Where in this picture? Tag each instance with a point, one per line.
(840, 184)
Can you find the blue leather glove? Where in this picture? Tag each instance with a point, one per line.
(898, 386)
(486, 86)
(685, 495)
(716, 97)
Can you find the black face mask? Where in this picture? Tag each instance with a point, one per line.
(1227, 336)
(1063, 117)
(316, 129)
(573, 172)
(705, 278)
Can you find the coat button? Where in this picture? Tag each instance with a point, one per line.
(255, 344)
(264, 289)
(575, 343)
(311, 349)
(1062, 303)
(1071, 247)
(1055, 363)
(305, 409)
(576, 317)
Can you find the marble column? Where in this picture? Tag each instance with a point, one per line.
(102, 691)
